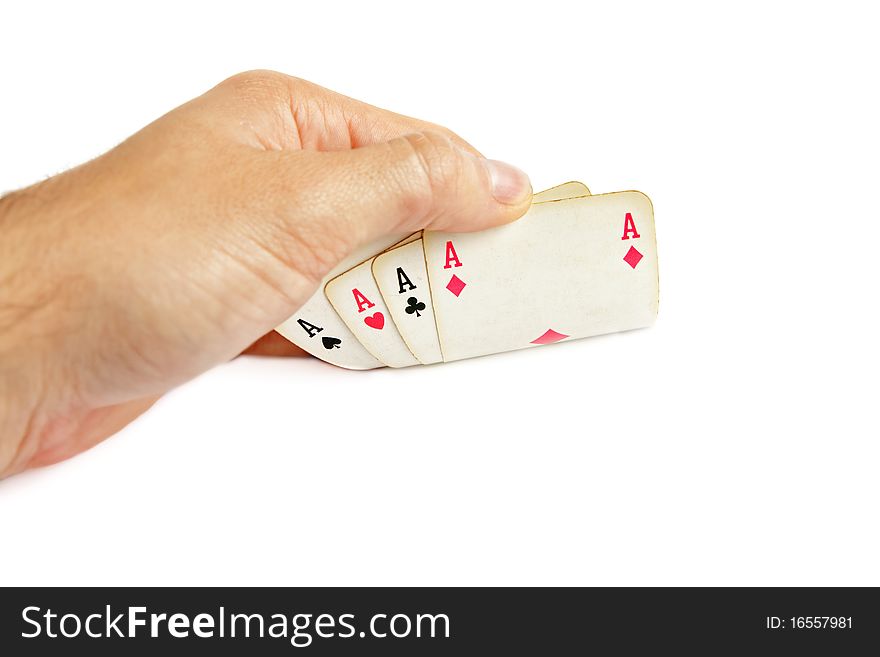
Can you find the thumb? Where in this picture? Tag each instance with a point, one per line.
(422, 180)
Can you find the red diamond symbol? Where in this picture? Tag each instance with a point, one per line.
(549, 337)
(455, 285)
(632, 257)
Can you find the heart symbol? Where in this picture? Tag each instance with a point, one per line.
(376, 321)
(330, 343)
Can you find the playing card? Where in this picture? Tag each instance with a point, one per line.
(401, 276)
(316, 327)
(356, 298)
(402, 280)
(568, 269)
(565, 190)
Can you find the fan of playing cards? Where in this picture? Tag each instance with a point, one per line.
(574, 266)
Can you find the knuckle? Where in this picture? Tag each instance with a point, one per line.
(427, 171)
(254, 76)
(258, 84)
(442, 130)
(436, 162)
(453, 137)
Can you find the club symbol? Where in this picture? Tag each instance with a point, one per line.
(414, 306)
(331, 343)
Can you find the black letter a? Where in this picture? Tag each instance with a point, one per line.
(309, 328)
(402, 280)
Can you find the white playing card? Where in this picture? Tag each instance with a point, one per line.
(568, 269)
(316, 327)
(402, 278)
(356, 298)
(565, 190)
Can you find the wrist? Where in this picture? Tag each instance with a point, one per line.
(19, 355)
(17, 417)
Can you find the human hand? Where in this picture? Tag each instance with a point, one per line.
(182, 246)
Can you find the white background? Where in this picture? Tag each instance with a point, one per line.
(736, 442)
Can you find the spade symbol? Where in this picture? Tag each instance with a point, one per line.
(414, 306)
(331, 343)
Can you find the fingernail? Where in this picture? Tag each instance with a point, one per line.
(509, 185)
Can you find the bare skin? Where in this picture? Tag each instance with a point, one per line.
(186, 244)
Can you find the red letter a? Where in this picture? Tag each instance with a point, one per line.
(362, 301)
(452, 256)
(629, 226)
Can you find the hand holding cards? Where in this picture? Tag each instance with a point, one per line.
(574, 266)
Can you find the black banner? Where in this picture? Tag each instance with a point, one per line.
(446, 621)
